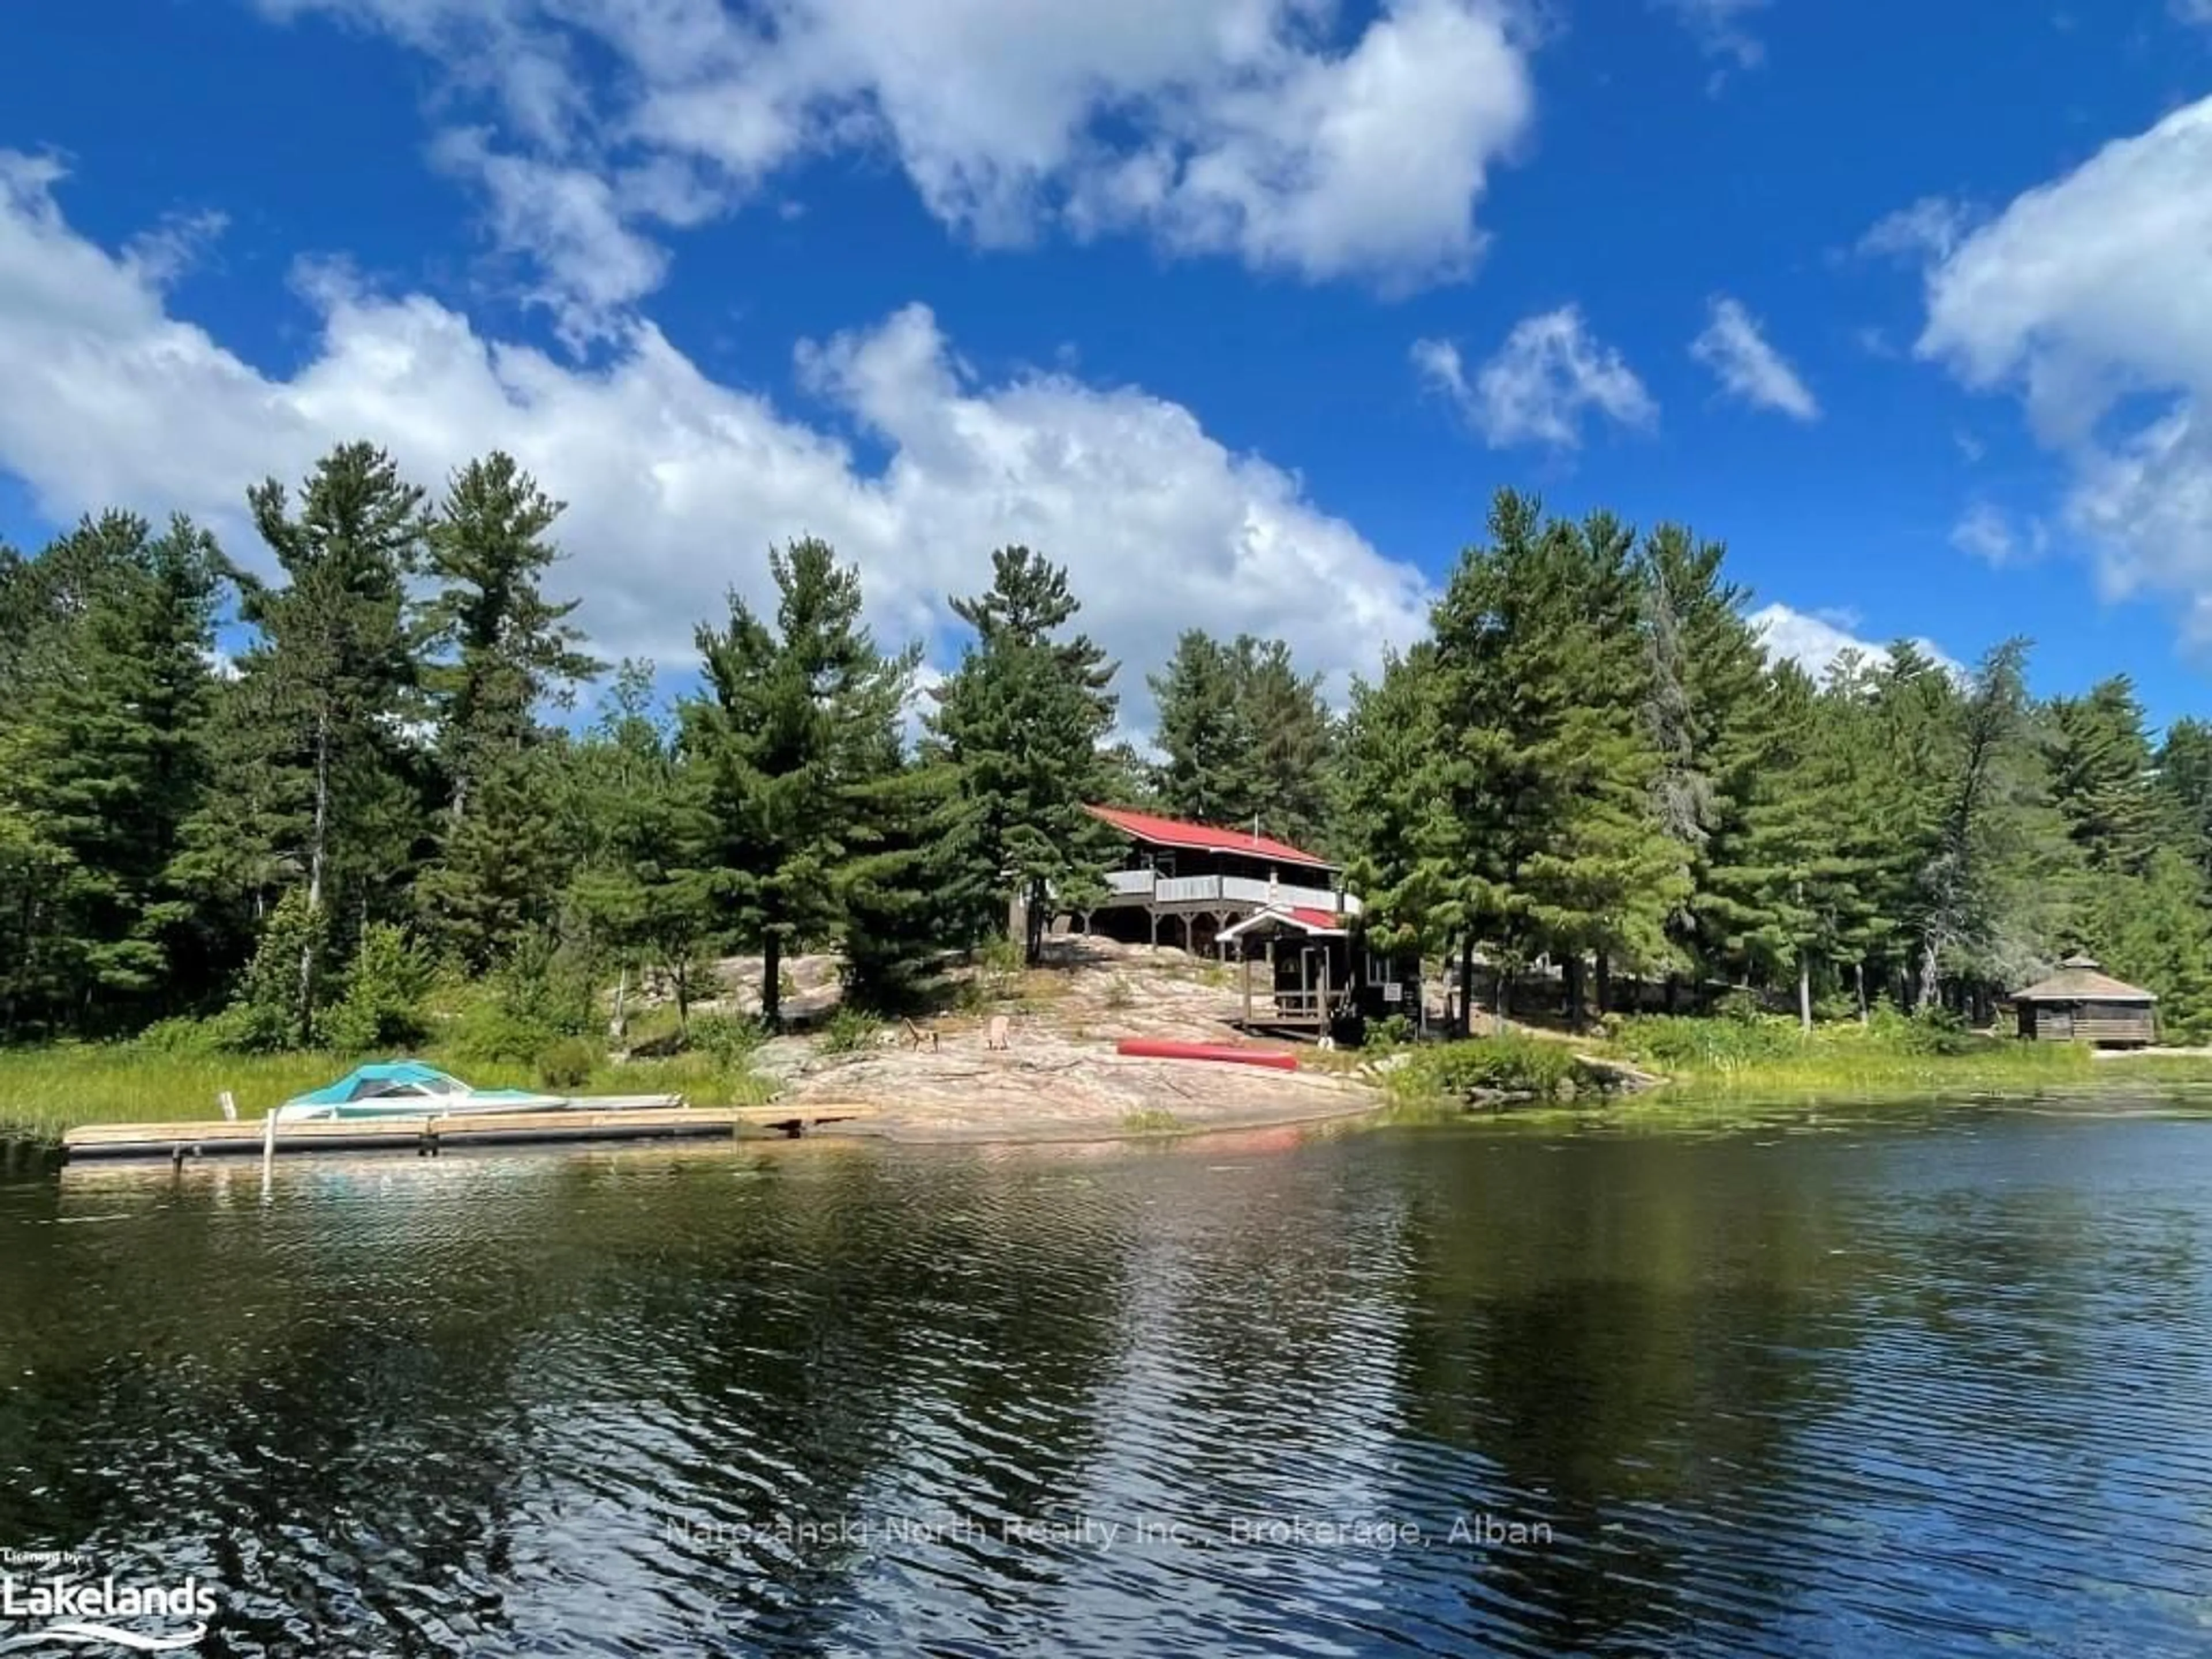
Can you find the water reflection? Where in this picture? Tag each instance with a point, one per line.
(1930, 1387)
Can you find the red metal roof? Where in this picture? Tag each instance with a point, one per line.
(1326, 921)
(1204, 837)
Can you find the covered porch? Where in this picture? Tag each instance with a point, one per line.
(1295, 970)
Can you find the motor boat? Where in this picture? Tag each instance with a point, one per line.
(409, 1088)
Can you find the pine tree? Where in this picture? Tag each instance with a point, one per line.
(1127, 778)
(1978, 891)
(1022, 721)
(797, 733)
(1293, 741)
(2102, 779)
(2153, 927)
(320, 781)
(645, 885)
(893, 891)
(1785, 888)
(32, 866)
(1247, 738)
(113, 707)
(1549, 764)
(1709, 709)
(1209, 747)
(2185, 788)
(503, 650)
(1391, 806)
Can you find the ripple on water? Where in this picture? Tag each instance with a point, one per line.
(1890, 1390)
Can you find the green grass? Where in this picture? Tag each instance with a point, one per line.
(1841, 1071)
(1890, 1056)
(46, 1090)
(849, 1031)
(1150, 1120)
(1520, 1067)
(1721, 1060)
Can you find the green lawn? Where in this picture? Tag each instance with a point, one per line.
(48, 1089)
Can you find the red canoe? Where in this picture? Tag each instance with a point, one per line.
(1161, 1048)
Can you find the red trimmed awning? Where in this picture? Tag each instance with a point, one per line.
(1318, 924)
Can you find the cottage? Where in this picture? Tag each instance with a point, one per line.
(2081, 1003)
(1182, 884)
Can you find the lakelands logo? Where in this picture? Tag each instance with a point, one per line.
(85, 1610)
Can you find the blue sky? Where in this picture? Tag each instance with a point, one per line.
(1240, 308)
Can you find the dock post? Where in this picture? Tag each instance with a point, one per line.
(268, 1142)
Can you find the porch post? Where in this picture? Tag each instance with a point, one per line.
(1153, 917)
(1247, 988)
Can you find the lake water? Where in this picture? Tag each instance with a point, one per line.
(1901, 1381)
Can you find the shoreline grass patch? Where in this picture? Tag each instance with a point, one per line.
(1150, 1120)
(1889, 1053)
(45, 1092)
(1506, 1067)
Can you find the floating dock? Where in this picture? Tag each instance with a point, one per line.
(427, 1137)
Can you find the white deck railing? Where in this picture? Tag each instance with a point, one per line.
(1145, 887)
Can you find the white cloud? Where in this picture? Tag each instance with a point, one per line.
(1815, 643)
(594, 266)
(1984, 533)
(1717, 26)
(679, 485)
(1747, 367)
(1991, 535)
(2191, 11)
(1551, 371)
(1242, 127)
(1928, 231)
(2086, 297)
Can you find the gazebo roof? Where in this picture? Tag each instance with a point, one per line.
(1288, 918)
(2079, 979)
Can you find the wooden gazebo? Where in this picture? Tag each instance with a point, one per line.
(2081, 1003)
(1307, 955)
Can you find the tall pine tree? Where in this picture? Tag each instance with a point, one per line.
(798, 731)
(319, 779)
(113, 705)
(1021, 720)
(501, 650)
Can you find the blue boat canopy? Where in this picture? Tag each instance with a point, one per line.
(381, 1079)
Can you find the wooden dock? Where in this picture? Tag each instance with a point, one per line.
(426, 1137)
